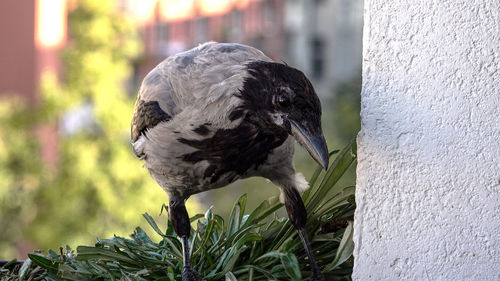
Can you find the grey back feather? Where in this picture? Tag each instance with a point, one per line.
(195, 86)
(184, 93)
(200, 77)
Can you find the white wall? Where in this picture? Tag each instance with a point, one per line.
(428, 186)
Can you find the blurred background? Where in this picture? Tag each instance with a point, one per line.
(69, 74)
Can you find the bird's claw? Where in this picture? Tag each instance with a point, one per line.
(189, 274)
(317, 277)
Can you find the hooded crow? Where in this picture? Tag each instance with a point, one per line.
(217, 113)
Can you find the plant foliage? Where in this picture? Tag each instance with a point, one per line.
(258, 245)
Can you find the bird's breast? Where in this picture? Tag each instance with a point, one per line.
(230, 153)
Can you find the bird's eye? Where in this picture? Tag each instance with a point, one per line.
(283, 100)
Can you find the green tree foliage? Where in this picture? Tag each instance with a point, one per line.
(20, 171)
(98, 187)
(344, 111)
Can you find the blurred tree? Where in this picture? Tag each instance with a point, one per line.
(20, 171)
(342, 120)
(344, 111)
(97, 188)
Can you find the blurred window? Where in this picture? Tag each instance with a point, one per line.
(269, 13)
(201, 33)
(317, 56)
(161, 37)
(236, 31)
(161, 31)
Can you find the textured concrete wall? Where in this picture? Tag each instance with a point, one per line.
(428, 187)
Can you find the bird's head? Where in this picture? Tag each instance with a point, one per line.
(285, 99)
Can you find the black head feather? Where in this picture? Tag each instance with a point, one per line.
(282, 97)
(278, 88)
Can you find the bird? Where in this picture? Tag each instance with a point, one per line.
(221, 112)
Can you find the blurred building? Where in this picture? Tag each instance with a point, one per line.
(170, 26)
(32, 34)
(321, 37)
(324, 39)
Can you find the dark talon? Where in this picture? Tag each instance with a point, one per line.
(317, 275)
(317, 278)
(189, 274)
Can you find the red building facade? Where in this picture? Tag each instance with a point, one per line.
(32, 33)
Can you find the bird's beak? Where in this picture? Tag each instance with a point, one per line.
(314, 143)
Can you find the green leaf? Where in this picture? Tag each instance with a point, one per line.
(334, 200)
(268, 274)
(170, 274)
(209, 213)
(345, 248)
(237, 214)
(232, 258)
(314, 177)
(257, 211)
(53, 255)
(86, 253)
(291, 265)
(272, 254)
(141, 236)
(196, 217)
(43, 262)
(230, 277)
(336, 170)
(24, 268)
(247, 238)
(153, 224)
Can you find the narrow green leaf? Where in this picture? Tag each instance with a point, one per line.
(42, 262)
(53, 255)
(219, 264)
(207, 232)
(9, 263)
(313, 181)
(237, 214)
(232, 258)
(196, 217)
(170, 228)
(268, 274)
(345, 249)
(24, 268)
(334, 173)
(272, 254)
(170, 274)
(174, 246)
(334, 200)
(262, 206)
(291, 265)
(141, 236)
(230, 277)
(209, 214)
(85, 252)
(273, 207)
(153, 224)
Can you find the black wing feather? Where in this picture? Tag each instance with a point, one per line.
(146, 116)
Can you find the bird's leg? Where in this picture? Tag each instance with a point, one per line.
(298, 216)
(182, 226)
